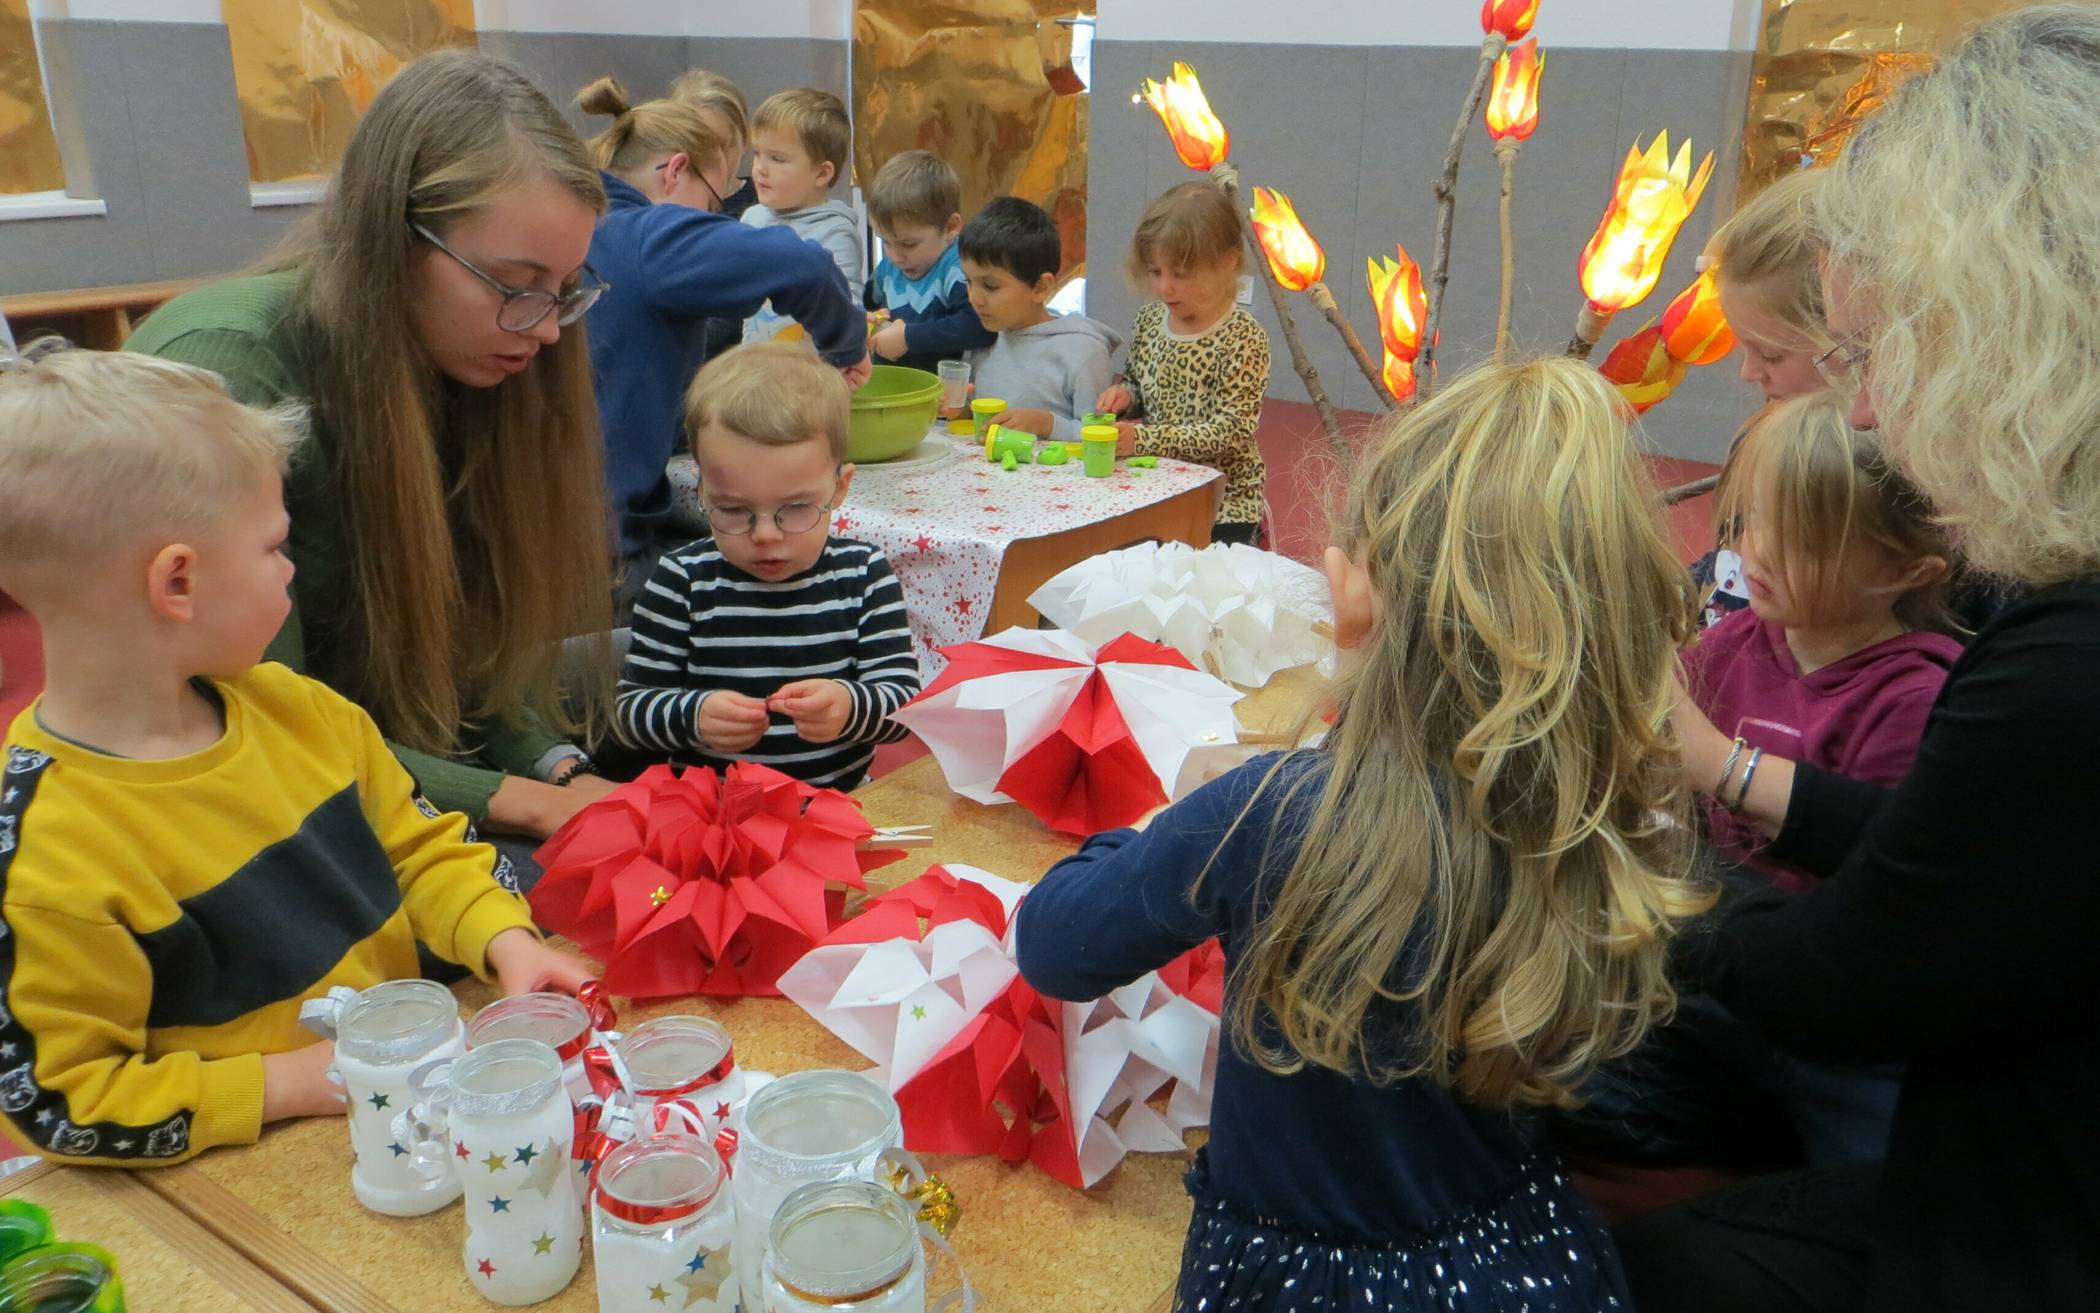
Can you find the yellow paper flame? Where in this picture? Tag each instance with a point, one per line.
(1655, 195)
(1199, 138)
(1294, 257)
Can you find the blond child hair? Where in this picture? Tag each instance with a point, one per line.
(654, 127)
(706, 90)
(1768, 254)
(916, 187)
(776, 393)
(100, 450)
(1822, 490)
(816, 117)
(1190, 226)
(1501, 783)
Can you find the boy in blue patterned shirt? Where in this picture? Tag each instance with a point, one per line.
(916, 207)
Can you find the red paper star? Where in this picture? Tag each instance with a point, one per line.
(486, 1268)
(460, 1147)
(721, 1112)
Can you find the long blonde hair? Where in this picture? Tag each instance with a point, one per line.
(475, 517)
(1500, 838)
(1965, 218)
(654, 127)
(1768, 253)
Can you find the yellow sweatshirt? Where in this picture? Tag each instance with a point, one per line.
(162, 921)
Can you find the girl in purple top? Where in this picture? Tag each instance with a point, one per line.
(1839, 658)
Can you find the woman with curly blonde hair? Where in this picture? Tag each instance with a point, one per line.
(1954, 931)
(1445, 916)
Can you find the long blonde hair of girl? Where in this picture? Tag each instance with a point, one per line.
(475, 517)
(1500, 839)
(1768, 252)
(654, 127)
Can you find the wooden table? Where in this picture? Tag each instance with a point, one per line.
(1028, 1241)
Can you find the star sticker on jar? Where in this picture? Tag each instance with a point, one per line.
(486, 1268)
(704, 1275)
(495, 1162)
(546, 1173)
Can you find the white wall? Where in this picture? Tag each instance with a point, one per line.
(1602, 24)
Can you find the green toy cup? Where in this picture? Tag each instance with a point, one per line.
(23, 1225)
(61, 1278)
(982, 412)
(1097, 450)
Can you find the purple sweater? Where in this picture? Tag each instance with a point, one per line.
(1861, 717)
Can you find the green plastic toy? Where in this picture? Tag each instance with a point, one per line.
(1143, 462)
(23, 1225)
(1003, 444)
(1053, 453)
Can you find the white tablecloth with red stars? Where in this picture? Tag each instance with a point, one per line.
(946, 527)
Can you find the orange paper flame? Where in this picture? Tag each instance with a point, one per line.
(1693, 327)
(1199, 138)
(1513, 105)
(1396, 290)
(1399, 377)
(1294, 257)
(1512, 18)
(1655, 194)
(1642, 369)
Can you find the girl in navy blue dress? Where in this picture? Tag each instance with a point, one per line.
(1446, 914)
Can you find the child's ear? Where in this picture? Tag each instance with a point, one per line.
(827, 173)
(1923, 572)
(1355, 601)
(845, 482)
(953, 228)
(1045, 287)
(171, 583)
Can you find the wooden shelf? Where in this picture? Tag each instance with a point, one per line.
(100, 317)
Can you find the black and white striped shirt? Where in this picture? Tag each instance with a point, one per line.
(702, 624)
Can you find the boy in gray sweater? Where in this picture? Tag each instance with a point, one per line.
(799, 140)
(1047, 368)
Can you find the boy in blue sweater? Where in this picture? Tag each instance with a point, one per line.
(672, 262)
(916, 207)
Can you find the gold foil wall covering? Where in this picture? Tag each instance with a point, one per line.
(306, 69)
(1823, 65)
(986, 85)
(28, 152)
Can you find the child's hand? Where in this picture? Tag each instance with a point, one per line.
(296, 1084)
(1126, 439)
(1038, 422)
(818, 707)
(729, 722)
(888, 341)
(856, 373)
(523, 963)
(1115, 399)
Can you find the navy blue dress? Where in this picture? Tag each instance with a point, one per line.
(1316, 1192)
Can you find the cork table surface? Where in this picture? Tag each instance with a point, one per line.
(1028, 1241)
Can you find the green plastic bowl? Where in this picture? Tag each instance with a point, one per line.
(891, 413)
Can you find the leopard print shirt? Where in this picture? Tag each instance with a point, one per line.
(1201, 400)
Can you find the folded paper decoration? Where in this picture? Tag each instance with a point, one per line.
(1236, 611)
(703, 883)
(923, 983)
(1086, 738)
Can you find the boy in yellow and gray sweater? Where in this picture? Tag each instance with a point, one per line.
(191, 844)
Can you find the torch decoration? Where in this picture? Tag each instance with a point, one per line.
(1512, 115)
(1654, 196)
(1298, 264)
(1202, 142)
(1396, 290)
(1648, 366)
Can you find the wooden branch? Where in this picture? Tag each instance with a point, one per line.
(1590, 323)
(1227, 178)
(1323, 300)
(1506, 155)
(1491, 48)
(1686, 491)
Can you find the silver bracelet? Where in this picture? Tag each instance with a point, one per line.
(1742, 795)
(1735, 754)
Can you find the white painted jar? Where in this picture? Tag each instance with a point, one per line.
(845, 1247)
(686, 1058)
(663, 1229)
(803, 1129)
(556, 1020)
(381, 1037)
(509, 1125)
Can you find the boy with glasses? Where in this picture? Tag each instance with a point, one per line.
(770, 640)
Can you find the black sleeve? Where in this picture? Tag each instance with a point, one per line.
(1964, 913)
(1825, 817)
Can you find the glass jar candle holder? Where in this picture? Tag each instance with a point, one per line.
(502, 1119)
(687, 1058)
(845, 1247)
(663, 1228)
(382, 1036)
(803, 1129)
(557, 1020)
(61, 1278)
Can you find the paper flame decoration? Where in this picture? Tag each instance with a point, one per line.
(1403, 305)
(923, 983)
(1199, 138)
(1513, 104)
(1512, 18)
(1087, 738)
(1649, 365)
(698, 883)
(1655, 195)
(1294, 257)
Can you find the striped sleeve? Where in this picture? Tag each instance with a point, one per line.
(886, 672)
(655, 709)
